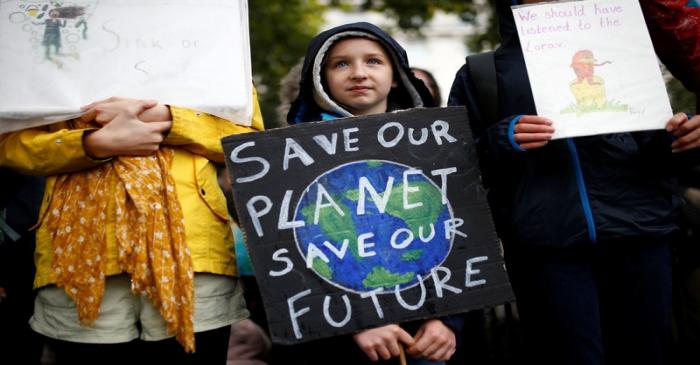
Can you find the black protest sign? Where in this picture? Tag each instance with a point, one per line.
(359, 222)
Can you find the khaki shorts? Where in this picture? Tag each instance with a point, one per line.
(124, 316)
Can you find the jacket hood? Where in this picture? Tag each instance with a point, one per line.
(510, 66)
(506, 23)
(313, 99)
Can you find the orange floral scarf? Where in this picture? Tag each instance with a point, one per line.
(150, 235)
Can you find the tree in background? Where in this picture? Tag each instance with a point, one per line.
(280, 32)
(682, 100)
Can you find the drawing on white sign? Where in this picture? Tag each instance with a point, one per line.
(588, 88)
(56, 56)
(592, 66)
(53, 30)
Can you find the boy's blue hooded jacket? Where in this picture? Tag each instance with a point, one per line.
(314, 103)
(572, 191)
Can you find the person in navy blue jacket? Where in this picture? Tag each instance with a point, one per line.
(585, 222)
(352, 70)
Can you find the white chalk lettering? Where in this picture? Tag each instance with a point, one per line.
(293, 150)
(468, 282)
(340, 253)
(313, 253)
(430, 236)
(327, 314)
(283, 221)
(293, 315)
(349, 141)
(373, 294)
(235, 159)
(440, 128)
(362, 245)
(328, 146)
(380, 201)
(441, 284)
(421, 140)
(451, 226)
(277, 256)
(256, 214)
(403, 244)
(443, 178)
(403, 303)
(410, 189)
(399, 134)
(321, 194)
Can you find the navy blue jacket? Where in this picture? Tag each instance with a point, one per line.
(572, 191)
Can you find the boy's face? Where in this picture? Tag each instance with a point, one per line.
(359, 75)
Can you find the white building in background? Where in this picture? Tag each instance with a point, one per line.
(441, 49)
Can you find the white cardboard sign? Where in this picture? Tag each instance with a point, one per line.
(592, 66)
(56, 56)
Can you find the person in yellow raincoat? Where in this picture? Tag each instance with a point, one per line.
(133, 245)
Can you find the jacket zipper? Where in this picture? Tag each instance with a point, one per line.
(590, 223)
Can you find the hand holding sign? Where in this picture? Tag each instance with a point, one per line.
(434, 341)
(532, 131)
(686, 130)
(104, 111)
(367, 221)
(592, 67)
(383, 342)
(126, 134)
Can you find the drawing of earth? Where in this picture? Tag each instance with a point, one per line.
(377, 265)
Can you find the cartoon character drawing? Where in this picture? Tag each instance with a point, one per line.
(52, 33)
(57, 19)
(82, 23)
(588, 89)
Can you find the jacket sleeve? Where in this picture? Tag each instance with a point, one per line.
(39, 151)
(201, 133)
(655, 147)
(674, 26)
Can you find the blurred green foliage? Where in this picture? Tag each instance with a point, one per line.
(682, 100)
(280, 32)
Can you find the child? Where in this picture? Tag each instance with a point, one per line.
(133, 240)
(352, 70)
(430, 82)
(585, 222)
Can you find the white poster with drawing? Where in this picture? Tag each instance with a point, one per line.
(592, 66)
(56, 56)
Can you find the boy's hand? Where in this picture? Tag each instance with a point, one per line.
(125, 134)
(104, 111)
(382, 341)
(434, 341)
(532, 131)
(686, 130)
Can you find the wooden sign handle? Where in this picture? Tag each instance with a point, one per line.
(402, 355)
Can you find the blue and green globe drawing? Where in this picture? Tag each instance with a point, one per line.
(404, 230)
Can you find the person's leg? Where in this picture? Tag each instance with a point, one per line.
(635, 280)
(73, 353)
(218, 304)
(211, 347)
(558, 304)
(248, 342)
(107, 340)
